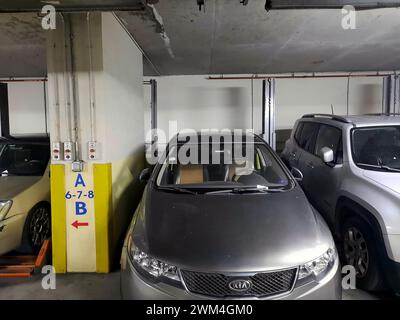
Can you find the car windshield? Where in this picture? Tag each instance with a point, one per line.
(219, 166)
(377, 148)
(21, 159)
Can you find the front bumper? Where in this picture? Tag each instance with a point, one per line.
(135, 287)
(391, 262)
(392, 274)
(11, 233)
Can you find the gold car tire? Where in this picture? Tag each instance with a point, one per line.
(37, 228)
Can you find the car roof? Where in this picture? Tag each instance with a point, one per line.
(24, 138)
(366, 120)
(374, 119)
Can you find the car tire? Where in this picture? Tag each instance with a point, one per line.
(360, 248)
(37, 228)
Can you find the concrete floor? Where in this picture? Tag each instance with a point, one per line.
(92, 286)
(68, 286)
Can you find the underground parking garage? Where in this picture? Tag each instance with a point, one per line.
(195, 150)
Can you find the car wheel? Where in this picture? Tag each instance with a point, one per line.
(37, 228)
(360, 249)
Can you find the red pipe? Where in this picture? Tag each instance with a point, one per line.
(303, 76)
(23, 80)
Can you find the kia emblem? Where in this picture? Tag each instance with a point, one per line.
(240, 285)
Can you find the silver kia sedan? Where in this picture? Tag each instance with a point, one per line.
(216, 222)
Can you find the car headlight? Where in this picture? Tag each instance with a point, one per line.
(149, 265)
(4, 208)
(318, 266)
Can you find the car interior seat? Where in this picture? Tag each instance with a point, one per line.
(190, 174)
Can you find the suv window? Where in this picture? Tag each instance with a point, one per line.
(330, 137)
(298, 132)
(308, 136)
(377, 148)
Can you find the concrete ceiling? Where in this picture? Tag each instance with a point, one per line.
(74, 5)
(22, 46)
(228, 38)
(232, 39)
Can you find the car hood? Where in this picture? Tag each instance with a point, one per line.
(390, 180)
(231, 232)
(11, 186)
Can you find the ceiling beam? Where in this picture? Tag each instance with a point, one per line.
(11, 6)
(330, 4)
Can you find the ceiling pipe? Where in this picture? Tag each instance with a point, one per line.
(5, 80)
(304, 76)
(92, 95)
(332, 4)
(83, 5)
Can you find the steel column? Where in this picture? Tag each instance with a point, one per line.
(391, 94)
(268, 110)
(153, 104)
(4, 111)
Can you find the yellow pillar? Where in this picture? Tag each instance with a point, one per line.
(102, 205)
(58, 217)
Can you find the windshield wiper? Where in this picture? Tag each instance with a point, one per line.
(263, 189)
(177, 189)
(380, 166)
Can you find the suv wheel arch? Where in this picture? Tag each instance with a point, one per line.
(347, 208)
(348, 212)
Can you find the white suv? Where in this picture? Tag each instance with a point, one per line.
(351, 174)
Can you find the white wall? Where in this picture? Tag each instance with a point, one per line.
(197, 103)
(121, 92)
(295, 97)
(120, 115)
(114, 97)
(26, 102)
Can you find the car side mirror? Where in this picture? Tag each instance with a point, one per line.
(326, 154)
(144, 176)
(297, 174)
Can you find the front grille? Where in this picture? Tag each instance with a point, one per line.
(217, 285)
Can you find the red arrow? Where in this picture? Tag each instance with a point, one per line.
(78, 224)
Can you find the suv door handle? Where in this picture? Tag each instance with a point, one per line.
(310, 165)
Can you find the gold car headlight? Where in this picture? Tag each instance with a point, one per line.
(4, 208)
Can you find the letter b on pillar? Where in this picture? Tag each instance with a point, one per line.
(80, 208)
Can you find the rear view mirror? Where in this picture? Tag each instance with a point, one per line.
(297, 174)
(145, 175)
(326, 154)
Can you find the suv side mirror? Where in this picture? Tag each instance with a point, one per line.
(144, 176)
(326, 154)
(297, 174)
